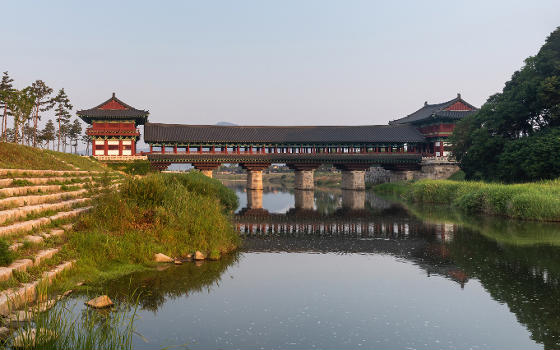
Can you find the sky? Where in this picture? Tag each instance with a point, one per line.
(259, 62)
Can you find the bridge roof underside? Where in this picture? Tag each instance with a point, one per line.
(180, 133)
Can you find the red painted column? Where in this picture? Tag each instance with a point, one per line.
(151, 150)
(120, 147)
(188, 150)
(106, 146)
(133, 147)
(175, 148)
(162, 149)
(213, 150)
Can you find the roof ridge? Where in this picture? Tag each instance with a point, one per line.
(113, 97)
(271, 126)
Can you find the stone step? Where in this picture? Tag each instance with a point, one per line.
(17, 213)
(38, 199)
(13, 299)
(26, 226)
(38, 238)
(23, 190)
(35, 172)
(43, 180)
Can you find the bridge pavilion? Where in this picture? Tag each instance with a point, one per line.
(436, 122)
(113, 128)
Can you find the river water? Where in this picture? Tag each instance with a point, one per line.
(330, 269)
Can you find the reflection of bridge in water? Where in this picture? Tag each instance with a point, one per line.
(363, 223)
(358, 214)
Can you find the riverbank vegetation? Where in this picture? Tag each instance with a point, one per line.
(136, 167)
(14, 156)
(532, 201)
(515, 137)
(173, 214)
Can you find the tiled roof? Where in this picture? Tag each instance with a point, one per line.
(156, 132)
(121, 111)
(437, 110)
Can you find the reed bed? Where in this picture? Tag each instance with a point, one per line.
(539, 201)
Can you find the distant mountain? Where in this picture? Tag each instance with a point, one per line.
(226, 124)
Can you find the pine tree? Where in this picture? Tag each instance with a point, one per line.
(42, 103)
(48, 134)
(87, 140)
(6, 89)
(74, 133)
(62, 113)
(20, 104)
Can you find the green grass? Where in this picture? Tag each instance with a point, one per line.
(64, 328)
(83, 163)
(457, 176)
(14, 156)
(173, 214)
(137, 167)
(539, 201)
(6, 255)
(197, 183)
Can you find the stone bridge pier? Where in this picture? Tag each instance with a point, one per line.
(353, 176)
(304, 175)
(254, 174)
(206, 168)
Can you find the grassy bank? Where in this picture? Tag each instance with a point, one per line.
(173, 214)
(14, 156)
(538, 201)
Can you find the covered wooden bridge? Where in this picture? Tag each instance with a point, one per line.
(352, 149)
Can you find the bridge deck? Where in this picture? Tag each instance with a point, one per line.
(320, 158)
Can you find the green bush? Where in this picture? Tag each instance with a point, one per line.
(159, 213)
(201, 184)
(6, 255)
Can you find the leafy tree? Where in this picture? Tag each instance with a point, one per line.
(48, 134)
(6, 89)
(42, 103)
(526, 109)
(62, 113)
(74, 132)
(20, 103)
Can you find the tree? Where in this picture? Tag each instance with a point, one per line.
(62, 112)
(6, 89)
(74, 132)
(20, 103)
(527, 108)
(87, 140)
(42, 103)
(48, 133)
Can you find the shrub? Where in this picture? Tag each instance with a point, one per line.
(159, 213)
(6, 255)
